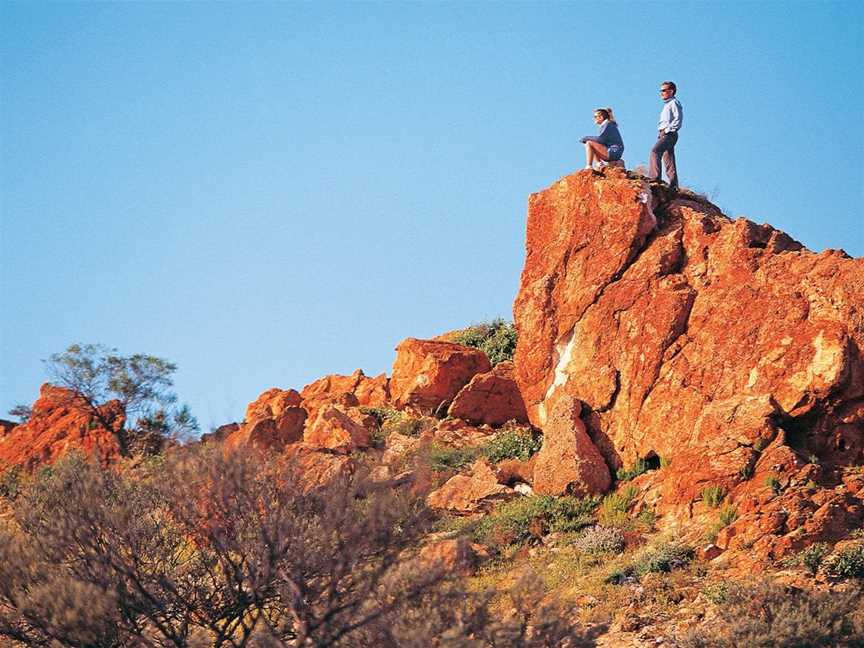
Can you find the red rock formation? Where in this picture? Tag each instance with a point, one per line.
(477, 491)
(336, 429)
(427, 373)
(317, 468)
(273, 421)
(492, 397)
(62, 423)
(694, 340)
(356, 389)
(569, 462)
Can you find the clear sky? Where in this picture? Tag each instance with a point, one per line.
(265, 193)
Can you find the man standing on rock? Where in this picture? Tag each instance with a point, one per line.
(667, 135)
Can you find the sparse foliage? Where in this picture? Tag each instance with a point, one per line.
(772, 616)
(497, 339)
(141, 383)
(713, 495)
(513, 443)
(21, 412)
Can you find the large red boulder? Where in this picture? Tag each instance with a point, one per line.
(62, 422)
(688, 336)
(568, 461)
(273, 421)
(427, 373)
(492, 398)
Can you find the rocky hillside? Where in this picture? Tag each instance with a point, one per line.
(704, 376)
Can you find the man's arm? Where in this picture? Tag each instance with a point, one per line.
(674, 116)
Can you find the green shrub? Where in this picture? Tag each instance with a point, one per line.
(512, 522)
(746, 471)
(811, 557)
(638, 468)
(847, 563)
(401, 423)
(774, 484)
(717, 592)
(660, 558)
(513, 443)
(663, 558)
(713, 495)
(443, 458)
(497, 339)
(600, 539)
(613, 508)
(728, 514)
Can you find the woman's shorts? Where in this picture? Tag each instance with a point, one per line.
(615, 152)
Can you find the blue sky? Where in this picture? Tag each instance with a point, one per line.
(265, 193)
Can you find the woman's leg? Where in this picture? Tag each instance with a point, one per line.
(595, 151)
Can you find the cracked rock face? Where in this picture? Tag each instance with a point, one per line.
(686, 334)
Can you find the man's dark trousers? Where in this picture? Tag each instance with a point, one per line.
(664, 147)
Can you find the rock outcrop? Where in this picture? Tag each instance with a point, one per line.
(689, 337)
(427, 373)
(61, 423)
(273, 421)
(492, 398)
(353, 390)
(477, 491)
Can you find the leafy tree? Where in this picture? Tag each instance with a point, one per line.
(141, 383)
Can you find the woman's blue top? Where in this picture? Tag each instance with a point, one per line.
(608, 136)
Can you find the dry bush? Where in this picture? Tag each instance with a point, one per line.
(771, 616)
(203, 549)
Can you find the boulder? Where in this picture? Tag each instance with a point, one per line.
(427, 373)
(273, 421)
(337, 430)
(356, 389)
(477, 491)
(453, 556)
(568, 461)
(492, 398)
(61, 422)
(687, 335)
(316, 468)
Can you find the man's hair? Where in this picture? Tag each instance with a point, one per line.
(670, 84)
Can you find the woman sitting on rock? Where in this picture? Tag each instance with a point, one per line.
(608, 145)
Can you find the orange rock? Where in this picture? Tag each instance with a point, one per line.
(353, 390)
(568, 461)
(515, 471)
(477, 491)
(427, 373)
(457, 433)
(335, 429)
(61, 423)
(453, 555)
(693, 341)
(273, 421)
(317, 468)
(6, 427)
(492, 398)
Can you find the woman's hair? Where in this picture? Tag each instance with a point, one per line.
(606, 113)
